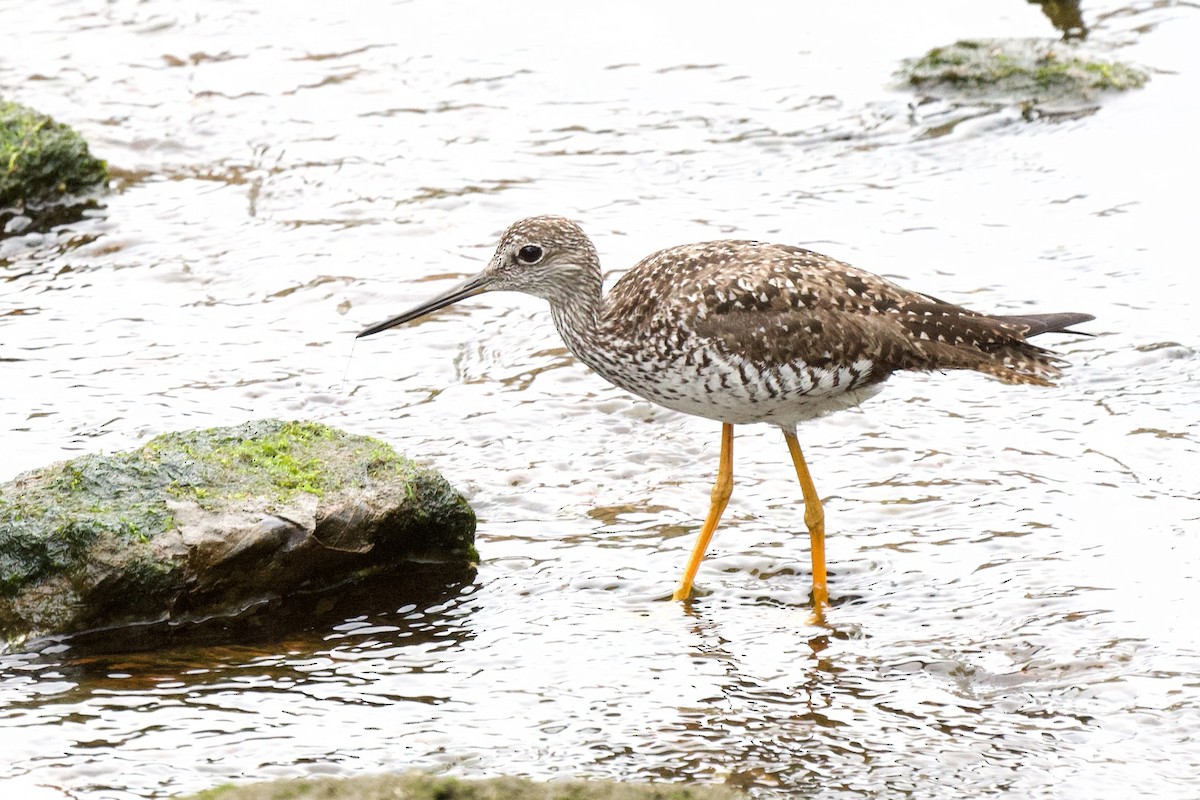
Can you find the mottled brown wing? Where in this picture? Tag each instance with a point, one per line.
(775, 304)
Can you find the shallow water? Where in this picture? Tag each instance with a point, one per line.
(1014, 570)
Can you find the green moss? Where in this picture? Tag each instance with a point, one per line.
(279, 459)
(1116, 76)
(269, 457)
(58, 513)
(215, 793)
(50, 518)
(86, 543)
(1020, 66)
(41, 159)
(940, 57)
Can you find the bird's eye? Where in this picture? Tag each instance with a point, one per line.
(530, 254)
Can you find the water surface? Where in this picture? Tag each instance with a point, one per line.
(1014, 569)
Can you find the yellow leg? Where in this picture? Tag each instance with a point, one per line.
(814, 518)
(720, 498)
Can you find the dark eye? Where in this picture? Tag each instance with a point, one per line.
(530, 254)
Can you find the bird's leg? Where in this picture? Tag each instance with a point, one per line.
(814, 518)
(721, 491)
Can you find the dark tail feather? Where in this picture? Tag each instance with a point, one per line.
(1047, 323)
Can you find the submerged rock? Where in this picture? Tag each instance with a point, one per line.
(426, 787)
(42, 160)
(1029, 71)
(211, 522)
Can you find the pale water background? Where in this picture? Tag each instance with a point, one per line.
(1016, 571)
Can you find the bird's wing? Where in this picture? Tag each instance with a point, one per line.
(772, 303)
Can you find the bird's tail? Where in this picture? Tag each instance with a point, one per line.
(997, 346)
(1021, 362)
(1035, 324)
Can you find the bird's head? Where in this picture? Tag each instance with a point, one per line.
(548, 257)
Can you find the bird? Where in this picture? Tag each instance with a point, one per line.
(745, 331)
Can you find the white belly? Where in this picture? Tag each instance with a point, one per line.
(737, 392)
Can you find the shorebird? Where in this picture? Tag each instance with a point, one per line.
(747, 331)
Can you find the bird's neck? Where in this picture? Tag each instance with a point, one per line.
(579, 313)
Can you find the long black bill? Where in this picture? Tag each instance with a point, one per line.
(476, 284)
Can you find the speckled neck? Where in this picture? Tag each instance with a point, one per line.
(578, 313)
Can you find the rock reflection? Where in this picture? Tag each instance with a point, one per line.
(296, 623)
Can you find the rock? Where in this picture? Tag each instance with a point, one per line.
(42, 160)
(213, 522)
(1020, 71)
(415, 786)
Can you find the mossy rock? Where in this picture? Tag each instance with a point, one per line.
(42, 160)
(1020, 70)
(425, 787)
(209, 522)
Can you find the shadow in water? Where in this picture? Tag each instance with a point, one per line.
(300, 621)
(34, 234)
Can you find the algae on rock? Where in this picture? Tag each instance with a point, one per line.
(42, 160)
(1020, 70)
(207, 522)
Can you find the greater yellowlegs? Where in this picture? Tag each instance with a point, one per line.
(746, 331)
